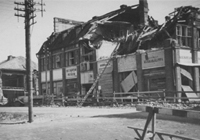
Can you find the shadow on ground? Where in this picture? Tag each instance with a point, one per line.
(143, 115)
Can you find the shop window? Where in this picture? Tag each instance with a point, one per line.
(44, 89)
(184, 35)
(58, 88)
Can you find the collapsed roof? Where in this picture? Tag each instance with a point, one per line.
(183, 15)
(125, 25)
(113, 26)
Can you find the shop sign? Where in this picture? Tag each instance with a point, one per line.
(153, 59)
(127, 63)
(57, 74)
(71, 72)
(102, 64)
(186, 56)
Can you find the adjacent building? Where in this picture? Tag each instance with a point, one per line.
(13, 77)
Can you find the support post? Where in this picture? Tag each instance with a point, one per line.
(153, 124)
(151, 114)
(195, 59)
(177, 73)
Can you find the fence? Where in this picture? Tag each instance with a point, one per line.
(153, 95)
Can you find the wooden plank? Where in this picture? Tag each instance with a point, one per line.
(189, 95)
(136, 131)
(149, 118)
(186, 74)
(129, 82)
(175, 136)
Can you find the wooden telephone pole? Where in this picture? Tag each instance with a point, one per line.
(29, 15)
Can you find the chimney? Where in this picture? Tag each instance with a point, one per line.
(143, 10)
(10, 57)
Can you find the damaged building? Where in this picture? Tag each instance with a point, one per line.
(145, 56)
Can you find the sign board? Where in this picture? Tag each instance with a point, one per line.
(127, 63)
(153, 59)
(57, 74)
(71, 72)
(87, 77)
(102, 63)
(186, 56)
(61, 24)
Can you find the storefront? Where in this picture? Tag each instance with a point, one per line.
(71, 84)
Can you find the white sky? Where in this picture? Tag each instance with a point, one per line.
(12, 33)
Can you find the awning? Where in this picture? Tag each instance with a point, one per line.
(189, 64)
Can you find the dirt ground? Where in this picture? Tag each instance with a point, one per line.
(86, 123)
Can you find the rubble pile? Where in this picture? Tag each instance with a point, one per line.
(6, 116)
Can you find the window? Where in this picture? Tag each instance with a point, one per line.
(44, 64)
(44, 88)
(66, 59)
(57, 61)
(184, 35)
(58, 88)
(71, 58)
(198, 38)
(86, 59)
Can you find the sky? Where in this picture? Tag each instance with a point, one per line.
(12, 32)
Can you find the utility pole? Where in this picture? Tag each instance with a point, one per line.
(29, 15)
